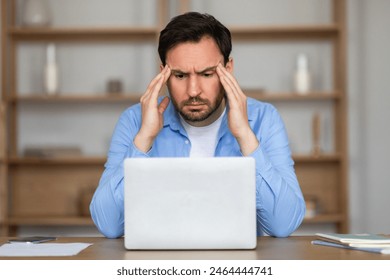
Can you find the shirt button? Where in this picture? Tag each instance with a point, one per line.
(186, 141)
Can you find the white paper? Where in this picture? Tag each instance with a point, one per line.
(42, 250)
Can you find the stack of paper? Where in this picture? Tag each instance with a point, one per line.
(364, 242)
(42, 250)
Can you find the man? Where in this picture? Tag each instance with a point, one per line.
(206, 115)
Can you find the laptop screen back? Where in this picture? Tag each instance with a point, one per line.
(190, 203)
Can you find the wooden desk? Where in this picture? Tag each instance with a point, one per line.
(268, 248)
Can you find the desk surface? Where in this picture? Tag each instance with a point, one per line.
(268, 248)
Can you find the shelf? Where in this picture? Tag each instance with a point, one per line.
(324, 218)
(77, 98)
(142, 33)
(291, 96)
(135, 97)
(315, 158)
(101, 160)
(50, 221)
(285, 32)
(321, 218)
(76, 33)
(57, 161)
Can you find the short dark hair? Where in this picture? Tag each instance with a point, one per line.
(192, 27)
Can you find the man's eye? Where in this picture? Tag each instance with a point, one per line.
(180, 76)
(208, 75)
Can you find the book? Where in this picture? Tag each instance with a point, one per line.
(374, 243)
(364, 238)
(385, 251)
(369, 245)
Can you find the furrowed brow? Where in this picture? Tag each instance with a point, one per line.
(211, 68)
(178, 72)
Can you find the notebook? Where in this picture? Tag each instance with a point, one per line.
(190, 203)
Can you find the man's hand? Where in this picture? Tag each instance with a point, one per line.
(152, 112)
(237, 115)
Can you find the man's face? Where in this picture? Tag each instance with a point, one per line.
(194, 85)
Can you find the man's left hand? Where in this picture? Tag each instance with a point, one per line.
(237, 115)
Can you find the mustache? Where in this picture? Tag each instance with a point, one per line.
(194, 100)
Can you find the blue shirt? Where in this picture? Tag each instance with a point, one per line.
(279, 201)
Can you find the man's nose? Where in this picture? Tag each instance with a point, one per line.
(193, 86)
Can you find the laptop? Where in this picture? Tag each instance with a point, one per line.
(190, 203)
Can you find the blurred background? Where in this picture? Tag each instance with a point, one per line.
(68, 73)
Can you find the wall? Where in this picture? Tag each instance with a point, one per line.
(378, 114)
(369, 137)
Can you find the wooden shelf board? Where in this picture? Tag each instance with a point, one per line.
(101, 160)
(313, 159)
(76, 98)
(50, 221)
(59, 161)
(238, 32)
(85, 159)
(291, 96)
(82, 33)
(68, 221)
(285, 32)
(135, 97)
(324, 218)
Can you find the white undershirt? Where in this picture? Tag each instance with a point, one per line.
(203, 139)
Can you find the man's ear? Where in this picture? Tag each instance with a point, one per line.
(230, 65)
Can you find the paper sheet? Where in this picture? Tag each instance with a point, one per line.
(42, 250)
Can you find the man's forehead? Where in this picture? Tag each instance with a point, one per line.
(194, 55)
(194, 68)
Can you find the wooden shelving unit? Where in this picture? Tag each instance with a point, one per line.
(46, 192)
(3, 137)
(3, 168)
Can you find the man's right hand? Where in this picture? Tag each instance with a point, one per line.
(152, 112)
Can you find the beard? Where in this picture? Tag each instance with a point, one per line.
(197, 109)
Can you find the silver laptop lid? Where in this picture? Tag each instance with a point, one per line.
(190, 203)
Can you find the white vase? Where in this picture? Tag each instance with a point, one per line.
(36, 13)
(302, 75)
(51, 71)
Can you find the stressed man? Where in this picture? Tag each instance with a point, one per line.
(206, 114)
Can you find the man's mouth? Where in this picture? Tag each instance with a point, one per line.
(194, 106)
